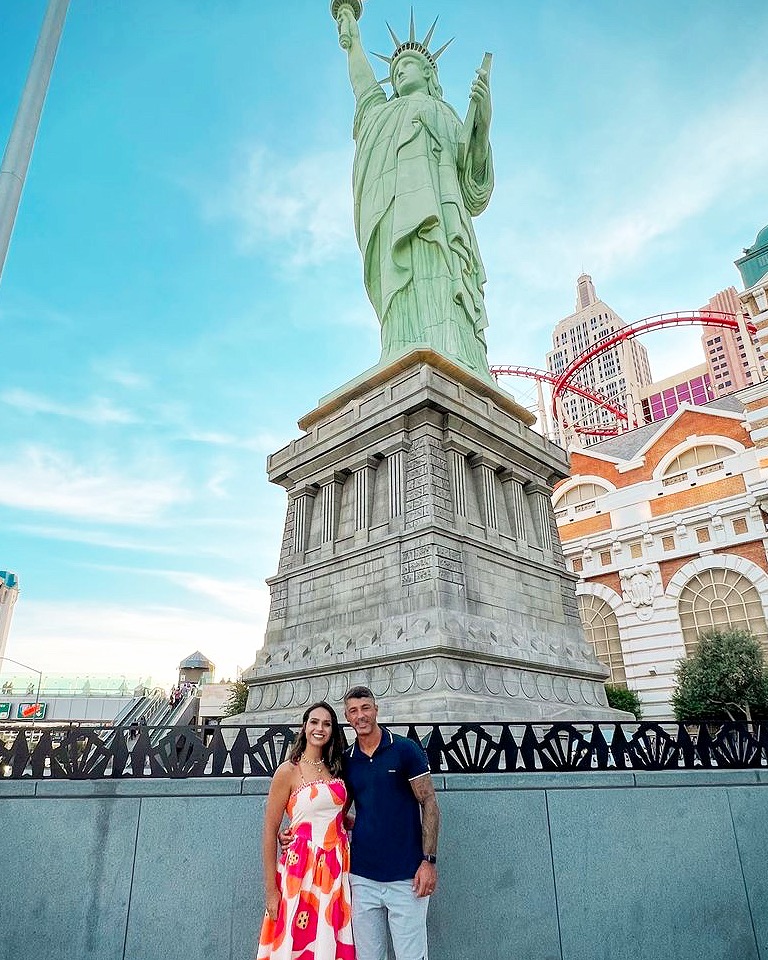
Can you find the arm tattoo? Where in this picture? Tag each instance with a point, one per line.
(424, 791)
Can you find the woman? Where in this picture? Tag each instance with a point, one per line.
(308, 913)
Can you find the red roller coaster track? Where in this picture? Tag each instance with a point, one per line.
(544, 376)
(566, 382)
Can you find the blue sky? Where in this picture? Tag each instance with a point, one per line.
(183, 282)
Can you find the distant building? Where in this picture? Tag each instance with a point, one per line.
(662, 398)
(665, 527)
(196, 668)
(617, 375)
(9, 592)
(753, 266)
(754, 273)
(66, 698)
(733, 358)
(213, 701)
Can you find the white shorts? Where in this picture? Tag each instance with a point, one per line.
(376, 906)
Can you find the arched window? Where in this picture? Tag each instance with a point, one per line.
(601, 628)
(720, 599)
(579, 499)
(702, 459)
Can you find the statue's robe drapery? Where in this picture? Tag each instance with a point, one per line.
(413, 210)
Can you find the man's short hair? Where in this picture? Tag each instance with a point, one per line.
(359, 693)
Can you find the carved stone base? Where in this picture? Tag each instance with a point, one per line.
(420, 558)
(455, 681)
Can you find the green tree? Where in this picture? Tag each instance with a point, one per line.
(725, 678)
(622, 698)
(238, 697)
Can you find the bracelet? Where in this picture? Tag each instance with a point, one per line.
(429, 858)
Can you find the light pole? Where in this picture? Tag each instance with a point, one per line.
(39, 673)
(18, 152)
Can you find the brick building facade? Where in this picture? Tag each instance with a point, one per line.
(665, 528)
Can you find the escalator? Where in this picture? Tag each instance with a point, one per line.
(142, 709)
(180, 715)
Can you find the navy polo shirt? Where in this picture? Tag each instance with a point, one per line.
(386, 839)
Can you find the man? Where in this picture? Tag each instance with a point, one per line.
(394, 840)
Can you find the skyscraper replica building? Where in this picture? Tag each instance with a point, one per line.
(733, 357)
(9, 593)
(617, 375)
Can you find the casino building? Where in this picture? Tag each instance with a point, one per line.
(665, 526)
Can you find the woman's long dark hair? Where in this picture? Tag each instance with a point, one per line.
(332, 750)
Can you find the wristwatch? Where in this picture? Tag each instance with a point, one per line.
(429, 858)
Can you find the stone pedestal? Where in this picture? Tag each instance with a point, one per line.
(421, 558)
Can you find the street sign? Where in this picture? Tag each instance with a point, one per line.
(30, 711)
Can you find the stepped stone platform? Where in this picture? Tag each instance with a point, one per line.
(420, 557)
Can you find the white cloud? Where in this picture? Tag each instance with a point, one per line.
(241, 596)
(78, 637)
(211, 438)
(303, 208)
(262, 442)
(249, 598)
(94, 537)
(718, 154)
(122, 375)
(96, 410)
(44, 480)
(216, 484)
(30, 310)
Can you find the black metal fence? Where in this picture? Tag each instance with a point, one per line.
(94, 753)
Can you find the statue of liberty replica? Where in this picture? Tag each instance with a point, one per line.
(420, 555)
(420, 175)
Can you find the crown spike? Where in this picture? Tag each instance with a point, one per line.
(393, 35)
(412, 36)
(442, 49)
(382, 57)
(425, 41)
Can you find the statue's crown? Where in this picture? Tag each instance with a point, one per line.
(412, 45)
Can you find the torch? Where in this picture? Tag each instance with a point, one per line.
(356, 6)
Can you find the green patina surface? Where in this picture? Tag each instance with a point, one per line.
(420, 176)
(754, 265)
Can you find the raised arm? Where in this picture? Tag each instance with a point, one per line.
(479, 143)
(361, 73)
(425, 881)
(279, 794)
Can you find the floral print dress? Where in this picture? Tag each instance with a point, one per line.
(314, 917)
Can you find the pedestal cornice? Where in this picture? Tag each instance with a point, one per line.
(333, 402)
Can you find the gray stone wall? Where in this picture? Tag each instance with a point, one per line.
(419, 525)
(596, 866)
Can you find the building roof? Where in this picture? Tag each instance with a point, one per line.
(627, 445)
(762, 239)
(196, 661)
(752, 265)
(9, 579)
